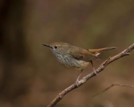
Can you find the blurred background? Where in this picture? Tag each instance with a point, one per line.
(29, 73)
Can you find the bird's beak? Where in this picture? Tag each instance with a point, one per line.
(47, 45)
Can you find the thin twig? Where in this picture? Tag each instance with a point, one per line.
(84, 79)
(111, 86)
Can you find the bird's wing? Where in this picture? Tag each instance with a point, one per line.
(82, 54)
(87, 54)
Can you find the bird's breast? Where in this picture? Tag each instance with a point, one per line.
(70, 61)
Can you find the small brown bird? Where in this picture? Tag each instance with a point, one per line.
(73, 56)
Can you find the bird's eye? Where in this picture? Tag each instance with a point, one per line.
(55, 47)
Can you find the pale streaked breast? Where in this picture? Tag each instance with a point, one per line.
(71, 62)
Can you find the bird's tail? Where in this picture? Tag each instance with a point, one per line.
(97, 52)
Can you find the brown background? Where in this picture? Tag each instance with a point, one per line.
(30, 74)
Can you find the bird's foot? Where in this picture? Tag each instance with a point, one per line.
(77, 82)
(95, 72)
(80, 82)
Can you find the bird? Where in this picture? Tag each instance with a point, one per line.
(75, 57)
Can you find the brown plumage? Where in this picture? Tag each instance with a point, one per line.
(74, 56)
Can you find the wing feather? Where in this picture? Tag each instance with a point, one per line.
(81, 54)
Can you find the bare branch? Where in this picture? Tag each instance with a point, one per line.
(92, 74)
(111, 86)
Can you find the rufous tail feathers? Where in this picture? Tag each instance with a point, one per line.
(98, 51)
